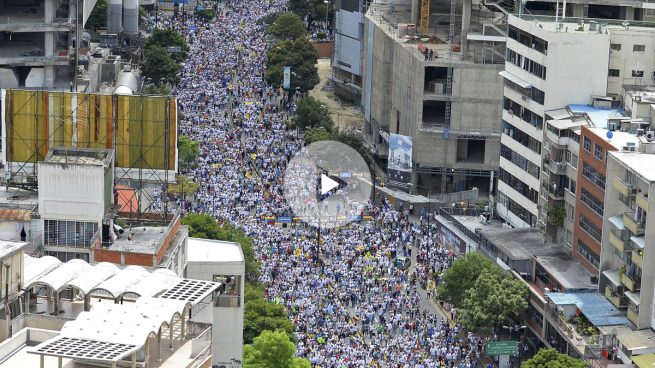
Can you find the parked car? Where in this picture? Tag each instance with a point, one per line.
(403, 262)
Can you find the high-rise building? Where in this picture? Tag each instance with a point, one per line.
(554, 62)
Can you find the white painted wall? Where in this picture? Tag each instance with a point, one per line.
(74, 193)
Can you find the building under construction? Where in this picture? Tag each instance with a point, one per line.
(433, 70)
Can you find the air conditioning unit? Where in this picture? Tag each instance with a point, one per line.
(625, 149)
(640, 132)
(632, 148)
(650, 135)
(632, 190)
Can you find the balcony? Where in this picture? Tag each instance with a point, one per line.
(636, 228)
(617, 242)
(642, 202)
(623, 187)
(555, 193)
(638, 258)
(630, 283)
(558, 167)
(633, 316)
(613, 297)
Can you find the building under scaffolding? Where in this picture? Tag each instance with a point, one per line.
(142, 131)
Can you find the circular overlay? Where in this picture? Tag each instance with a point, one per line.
(327, 184)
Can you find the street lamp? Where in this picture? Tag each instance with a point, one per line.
(327, 11)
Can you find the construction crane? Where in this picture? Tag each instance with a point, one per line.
(425, 17)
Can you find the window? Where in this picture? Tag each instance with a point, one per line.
(613, 73)
(519, 161)
(598, 151)
(528, 39)
(518, 185)
(637, 73)
(532, 93)
(572, 159)
(587, 144)
(615, 46)
(521, 137)
(69, 233)
(526, 64)
(593, 176)
(590, 228)
(570, 210)
(640, 48)
(591, 202)
(588, 254)
(524, 113)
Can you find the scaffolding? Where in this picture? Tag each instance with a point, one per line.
(142, 130)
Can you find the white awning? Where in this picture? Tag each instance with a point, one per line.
(486, 38)
(512, 78)
(635, 298)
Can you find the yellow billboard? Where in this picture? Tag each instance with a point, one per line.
(141, 129)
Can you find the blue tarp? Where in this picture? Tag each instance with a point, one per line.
(598, 310)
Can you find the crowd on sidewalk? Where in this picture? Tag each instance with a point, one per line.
(352, 307)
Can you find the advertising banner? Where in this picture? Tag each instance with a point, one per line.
(286, 82)
(400, 162)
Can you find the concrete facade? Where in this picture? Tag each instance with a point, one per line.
(399, 98)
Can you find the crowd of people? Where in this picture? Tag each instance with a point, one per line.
(350, 303)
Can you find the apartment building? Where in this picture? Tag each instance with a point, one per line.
(348, 44)
(553, 62)
(627, 260)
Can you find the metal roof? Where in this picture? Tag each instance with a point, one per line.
(71, 348)
(15, 214)
(192, 291)
(35, 268)
(59, 278)
(598, 310)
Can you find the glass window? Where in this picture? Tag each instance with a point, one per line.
(592, 202)
(587, 144)
(593, 176)
(639, 48)
(613, 73)
(588, 254)
(615, 46)
(590, 228)
(598, 151)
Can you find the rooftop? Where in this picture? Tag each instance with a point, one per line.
(9, 247)
(586, 25)
(18, 198)
(598, 310)
(569, 273)
(80, 156)
(520, 244)
(599, 117)
(144, 239)
(641, 163)
(619, 138)
(205, 250)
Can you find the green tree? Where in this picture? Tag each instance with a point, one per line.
(98, 17)
(202, 226)
(206, 14)
(356, 141)
(550, 358)
(152, 89)
(301, 56)
(260, 315)
(169, 37)
(314, 10)
(159, 66)
(461, 276)
(269, 18)
(311, 113)
(317, 134)
(272, 350)
(496, 296)
(183, 186)
(188, 152)
(287, 26)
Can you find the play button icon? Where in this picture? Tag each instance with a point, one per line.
(327, 184)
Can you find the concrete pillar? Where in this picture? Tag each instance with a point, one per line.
(59, 362)
(56, 303)
(87, 299)
(577, 10)
(134, 360)
(629, 13)
(170, 336)
(48, 11)
(159, 344)
(146, 362)
(27, 301)
(466, 25)
(183, 326)
(42, 360)
(416, 10)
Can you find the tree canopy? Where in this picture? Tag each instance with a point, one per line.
(188, 152)
(495, 296)
(169, 37)
(159, 66)
(261, 315)
(311, 113)
(184, 186)
(272, 350)
(202, 226)
(162, 90)
(287, 26)
(550, 358)
(317, 134)
(461, 276)
(314, 10)
(301, 56)
(98, 17)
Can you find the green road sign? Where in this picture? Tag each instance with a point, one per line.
(502, 348)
